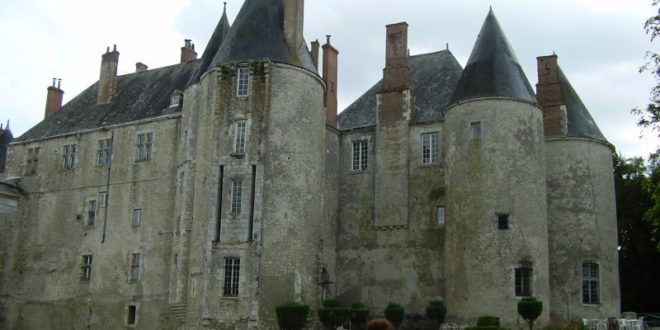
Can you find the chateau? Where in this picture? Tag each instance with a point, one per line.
(204, 194)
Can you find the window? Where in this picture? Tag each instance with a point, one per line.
(360, 155)
(68, 156)
(430, 148)
(441, 215)
(32, 161)
(131, 317)
(239, 140)
(136, 219)
(590, 290)
(232, 271)
(236, 196)
(523, 281)
(135, 267)
(103, 198)
(175, 100)
(103, 152)
(144, 146)
(476, 130)
(91, 212)
(243, 82)
(502, 221)
(86, 268)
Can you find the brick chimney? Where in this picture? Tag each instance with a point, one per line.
(188, 52)
(54, 98)
(139, 67)
(396, 75)
(315, 53)
(330, 78)
(294, 12)
(108, 77)
(548, 92)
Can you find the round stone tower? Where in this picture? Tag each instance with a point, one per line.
(496, 223)
(582, 227)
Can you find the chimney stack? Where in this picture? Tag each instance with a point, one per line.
(139, 67)
(330, 78)
(548, 92)
(54, 98)
(294, 11)
(108, 77)
(396, 75)
(188, 52)
(315, 53)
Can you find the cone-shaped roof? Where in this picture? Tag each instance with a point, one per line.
(580, 123)
(212, 47)
(258, 33)
(493, 69)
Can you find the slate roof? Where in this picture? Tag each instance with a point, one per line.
(139, 95)
(433, 79)
(257, 34)
(493, 69)
(580, 122)
(212, 47)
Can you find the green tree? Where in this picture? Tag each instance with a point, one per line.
(530, 309)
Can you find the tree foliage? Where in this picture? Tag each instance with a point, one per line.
(530, 309)
(650, 116)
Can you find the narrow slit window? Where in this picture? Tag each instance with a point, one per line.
(86, 268)
(131, 317)
(91, 213)
(236, 196)
(441, 215)
(502, 221)
(135, 267)
(475, 128)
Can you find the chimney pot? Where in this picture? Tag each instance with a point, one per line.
(396, 75)
(330, 66)
(53, 98)
(315, 53)
(108, 76)
(139, 67)
(548, 92)
(188, 52)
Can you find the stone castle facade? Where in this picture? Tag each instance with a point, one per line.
(206, 193)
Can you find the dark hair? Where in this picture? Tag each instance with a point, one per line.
(379, 324)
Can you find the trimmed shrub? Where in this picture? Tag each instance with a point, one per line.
(394, 313)
(436, 311)
(292, 316)
(488, 321)
(333, 314)
(530, 309)
(359, 315)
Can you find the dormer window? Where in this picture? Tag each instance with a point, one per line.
(243, 81)
(176, 99)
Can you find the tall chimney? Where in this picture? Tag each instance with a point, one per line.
(294, 11)
(315, 53)
(188, 52)
(548, 92)
(396, 75)
(108, 77)
(139, 67)
(330, 78)
(54, 98)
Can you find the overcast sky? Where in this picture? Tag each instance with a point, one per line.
(600, 44)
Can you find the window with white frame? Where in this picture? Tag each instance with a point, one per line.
(103, 198)
(523, 281)
(136, 218)
(239, 136)
(440, 214)
(430, 148)
(590, 285)
(69, 156)
(359, 158)
(86, 268)
(91, 212)
(32, 161)
(135, 266)
(232, 275)
(103, 148)
(144, 146)
(243, 81)
(175, 100)
(475, 129)
(236, 196)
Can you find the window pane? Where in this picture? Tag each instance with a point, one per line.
(239, 146)
(236, 196)
(476, 130)
(243, 82)
(232, 276)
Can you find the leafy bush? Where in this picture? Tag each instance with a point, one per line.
(436, 311)
(359, 315)
(530, 309)
(333, 314)
(292, 316)
(394, 313)
(488, 321)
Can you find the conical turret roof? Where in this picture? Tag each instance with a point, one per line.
(258, 33)
(493, 69)
(212, 47)
(579, 120)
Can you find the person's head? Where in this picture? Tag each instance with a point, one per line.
(379, 324)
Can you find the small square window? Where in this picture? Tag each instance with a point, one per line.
(136, 218)
(475, 128)
(441, 215)
(243, 81)
(176, 98)
(502, 221)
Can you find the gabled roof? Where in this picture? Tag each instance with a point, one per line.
(580, 122)
(493, 69)
(433, 79)
(212, 47)
(138, 96)
(258, 34)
